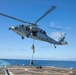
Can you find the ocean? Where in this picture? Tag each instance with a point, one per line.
(56, 63)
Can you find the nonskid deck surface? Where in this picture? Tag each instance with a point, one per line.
(27, 70)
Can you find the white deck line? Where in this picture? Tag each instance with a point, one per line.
(46, 72)
(10, 72)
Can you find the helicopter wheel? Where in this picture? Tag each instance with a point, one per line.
(55, 46)
(22, 37)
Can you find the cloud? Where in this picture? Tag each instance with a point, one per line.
(55, 24)
(13, 49)
(68, 28)
(56, 35)
(45, 47)
(22, 49)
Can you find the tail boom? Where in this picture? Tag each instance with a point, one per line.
(61, 41)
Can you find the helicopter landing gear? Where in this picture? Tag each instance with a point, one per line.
(54, 46)
(22, 37)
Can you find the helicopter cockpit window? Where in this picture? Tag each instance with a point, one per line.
(21, 26)
(16, 27)
(43, 32)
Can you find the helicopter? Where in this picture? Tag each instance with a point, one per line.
(31, 30)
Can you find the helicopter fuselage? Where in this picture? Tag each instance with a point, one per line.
(37, 33)
(33, 32)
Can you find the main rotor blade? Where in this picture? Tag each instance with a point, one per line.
(14, 18)
(53, 7)
(55, 28)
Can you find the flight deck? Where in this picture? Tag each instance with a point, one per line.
(39, 70)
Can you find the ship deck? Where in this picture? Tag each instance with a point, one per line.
(27, 70)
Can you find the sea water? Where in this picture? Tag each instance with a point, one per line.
(56, 63)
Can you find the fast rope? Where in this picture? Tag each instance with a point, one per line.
(33, 49)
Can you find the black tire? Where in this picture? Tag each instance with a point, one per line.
(22, 37)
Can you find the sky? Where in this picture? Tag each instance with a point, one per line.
(63, 16)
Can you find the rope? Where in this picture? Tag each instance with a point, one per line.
(33, 49)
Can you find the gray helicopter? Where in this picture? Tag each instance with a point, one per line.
(31, 30)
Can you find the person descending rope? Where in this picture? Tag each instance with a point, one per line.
(33, 49)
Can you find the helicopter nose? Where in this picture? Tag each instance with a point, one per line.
(11, 28)
(15, 28)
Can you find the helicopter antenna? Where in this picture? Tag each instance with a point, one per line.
(53, 7)
(14, 18)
